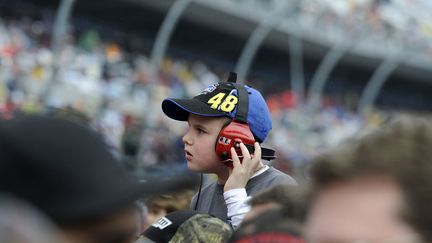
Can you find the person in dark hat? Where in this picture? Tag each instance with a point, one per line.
(66, 171)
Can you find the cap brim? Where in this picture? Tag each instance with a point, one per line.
(68, 171)
(121, 196)
(179, 109)
(157, 184)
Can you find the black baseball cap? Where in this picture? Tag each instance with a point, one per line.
(67, 170)
(219, 100)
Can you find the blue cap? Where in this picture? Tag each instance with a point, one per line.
(220, 100)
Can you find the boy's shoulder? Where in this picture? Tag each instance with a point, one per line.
(272, 176)
(279, 176)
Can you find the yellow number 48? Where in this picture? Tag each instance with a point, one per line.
(227, 105)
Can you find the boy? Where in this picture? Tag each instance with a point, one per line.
(207, 113)
(163, 204)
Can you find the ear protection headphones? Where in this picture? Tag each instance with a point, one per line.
(238, 130)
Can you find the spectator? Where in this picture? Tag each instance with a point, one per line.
(67, 172)
(375, 189)
(160, 205)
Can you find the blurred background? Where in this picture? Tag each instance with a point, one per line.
(327, 68)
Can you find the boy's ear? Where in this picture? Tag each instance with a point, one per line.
(231, 136)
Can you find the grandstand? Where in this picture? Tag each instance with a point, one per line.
(343, 57)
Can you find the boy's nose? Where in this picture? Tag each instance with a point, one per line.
(186, 139)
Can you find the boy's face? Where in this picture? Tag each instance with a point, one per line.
(200, 141)
(155, 213)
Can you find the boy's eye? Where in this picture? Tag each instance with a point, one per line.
(199, 130)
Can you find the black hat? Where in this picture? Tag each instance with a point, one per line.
(220, 100)
(65, 169)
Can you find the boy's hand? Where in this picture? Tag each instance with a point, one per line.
(243, 171)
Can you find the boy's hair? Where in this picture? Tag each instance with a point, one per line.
(221, 100)
(290, 197)
(271, 226)
(280, 194)
(401, 150)
(170, 201)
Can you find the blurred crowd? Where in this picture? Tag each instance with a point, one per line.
(382, 26)
(60, 180)
(113, 88)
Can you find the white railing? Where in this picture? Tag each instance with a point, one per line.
(389, 27)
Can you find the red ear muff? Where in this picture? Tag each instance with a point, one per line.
(231, 136)
(238, 130)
